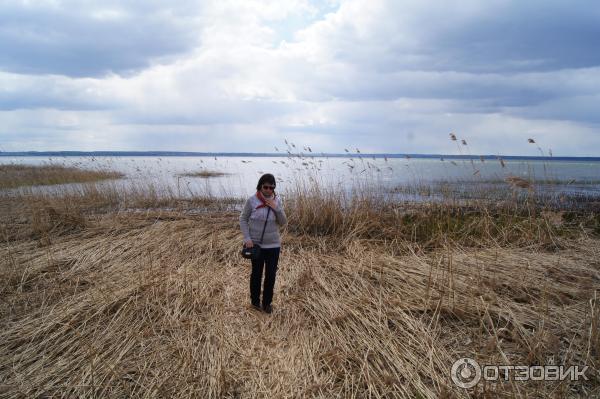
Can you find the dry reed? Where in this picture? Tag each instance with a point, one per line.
(373, 299)
(12, 175)
(204, 173)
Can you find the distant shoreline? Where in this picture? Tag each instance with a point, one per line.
(259, 154)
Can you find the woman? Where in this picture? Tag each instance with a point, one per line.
(252, 220)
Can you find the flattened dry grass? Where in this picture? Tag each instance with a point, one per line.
(371, 300)
(12, 176)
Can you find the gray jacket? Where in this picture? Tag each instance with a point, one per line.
(252, 221)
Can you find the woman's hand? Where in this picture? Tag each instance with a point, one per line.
(271, 203)
(248, 243)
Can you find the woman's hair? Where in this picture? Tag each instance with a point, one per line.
(266, 178)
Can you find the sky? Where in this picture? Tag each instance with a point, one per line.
(392, 76)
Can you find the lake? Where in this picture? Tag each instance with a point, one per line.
(572, 177)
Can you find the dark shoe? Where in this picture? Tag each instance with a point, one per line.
(256, 306)
(268, 308)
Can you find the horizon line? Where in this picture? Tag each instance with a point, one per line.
(286, 154)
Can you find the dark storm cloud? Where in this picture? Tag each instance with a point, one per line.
(90, 39)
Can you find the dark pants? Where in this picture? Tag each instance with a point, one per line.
(268, 261)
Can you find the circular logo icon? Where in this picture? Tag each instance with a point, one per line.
(466, 372)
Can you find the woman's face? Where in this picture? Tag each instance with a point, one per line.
(267, 189)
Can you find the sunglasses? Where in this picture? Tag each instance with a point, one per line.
(267, 187)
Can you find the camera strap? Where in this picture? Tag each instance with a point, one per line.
(265, 226)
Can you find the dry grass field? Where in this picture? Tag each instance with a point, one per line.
(373, 299)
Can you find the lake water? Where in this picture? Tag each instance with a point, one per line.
(242, 173)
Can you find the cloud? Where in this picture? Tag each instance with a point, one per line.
(469, 36)
(57, 92)
(88, 38)
(236, 75)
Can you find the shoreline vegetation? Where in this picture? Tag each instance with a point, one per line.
(205, 173)
(554, 194)
(13, 176)
(135, 293)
